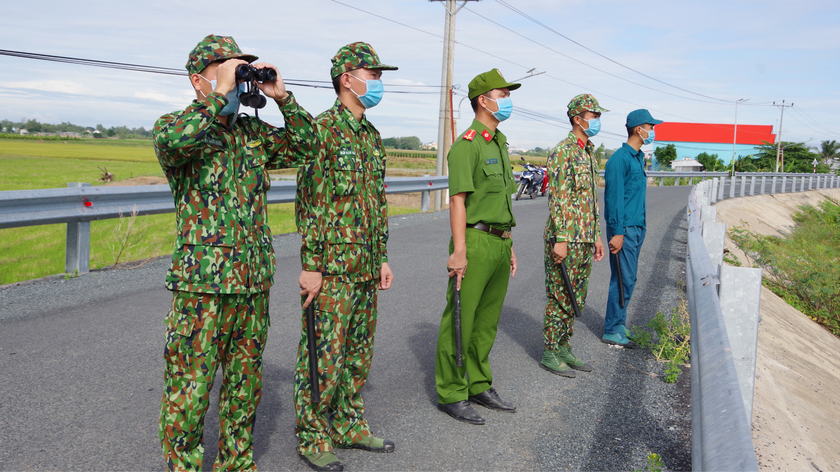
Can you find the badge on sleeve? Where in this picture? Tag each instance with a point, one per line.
(469, 135)
(486, 135)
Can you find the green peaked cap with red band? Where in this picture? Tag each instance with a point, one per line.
(215, 48)
(490, 80)
(354, 56)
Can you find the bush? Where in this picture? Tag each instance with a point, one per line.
(803, 268)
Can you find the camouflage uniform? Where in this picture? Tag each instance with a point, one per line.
(222, 265)
(342, 215)
(573, 218)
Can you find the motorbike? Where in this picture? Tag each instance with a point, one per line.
(533, 180)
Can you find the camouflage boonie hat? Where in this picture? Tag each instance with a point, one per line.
(354, 56)
(490, 80)
(215, 48)
(582, 103)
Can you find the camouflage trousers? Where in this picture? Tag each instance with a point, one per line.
(204, 330)
(559, 315)
(345, 318)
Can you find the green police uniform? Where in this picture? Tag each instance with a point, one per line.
(480, 167)
(342, 216)
(222, 265)
(573, 218)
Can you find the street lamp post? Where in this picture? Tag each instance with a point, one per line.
(735, 134)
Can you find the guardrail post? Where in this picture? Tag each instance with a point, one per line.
(763, 181)
(713, 188)
(752, 186)
(740, 300)
(811, 183)
(691, 180)
(77, 253)
(676, 181)
(661, 181)
(714, 235)
(425, 198)
(784, 183)
(732, 186)
(773, 186)
(721, 183)
(743, 185)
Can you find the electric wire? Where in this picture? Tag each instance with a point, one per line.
(586, 64)
(520, 12)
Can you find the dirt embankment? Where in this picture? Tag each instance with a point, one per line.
(796, 411)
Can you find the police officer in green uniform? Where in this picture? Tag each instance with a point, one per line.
(480, 216)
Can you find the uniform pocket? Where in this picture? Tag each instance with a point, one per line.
(209, 264)
(343, 258)
(494, 181)
(347, 173)
(256, 159)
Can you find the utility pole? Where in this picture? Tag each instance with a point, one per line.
(735, 134)
(779, 145)
(445, 134)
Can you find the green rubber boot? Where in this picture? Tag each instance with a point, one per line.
(322, 461)
(551, 363)
(564, 354)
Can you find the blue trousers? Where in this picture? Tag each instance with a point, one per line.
(616, 316)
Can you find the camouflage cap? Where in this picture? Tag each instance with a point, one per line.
(354, 56)
(584, 102)
(215, 48)
(487, 81)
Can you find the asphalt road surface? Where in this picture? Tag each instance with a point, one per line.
(81, 366)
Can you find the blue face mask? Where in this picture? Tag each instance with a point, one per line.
(374, 92)
(505, 108)
(232, 96)
(594, 126)
(651, 136)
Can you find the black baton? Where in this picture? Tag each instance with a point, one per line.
(314, 381)
(568, 283)
(456, 320)
(620, 281)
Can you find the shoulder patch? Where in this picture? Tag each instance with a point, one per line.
(486, 135)
(469, 135)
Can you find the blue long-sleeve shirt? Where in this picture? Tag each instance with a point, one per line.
(625, 187)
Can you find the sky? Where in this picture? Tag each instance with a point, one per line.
(683, 60)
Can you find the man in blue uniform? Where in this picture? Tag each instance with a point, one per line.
(624, 208)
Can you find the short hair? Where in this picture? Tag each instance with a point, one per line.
(474, 101)
(631, 130)
(337, 83)
(572, 119)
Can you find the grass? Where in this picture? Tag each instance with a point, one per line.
(38, 251)
(668, 338)
(803, 267)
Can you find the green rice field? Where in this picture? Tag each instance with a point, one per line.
(38, 251)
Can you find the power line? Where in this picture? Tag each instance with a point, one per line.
(584, 63)
(520, 12)
(178, 72)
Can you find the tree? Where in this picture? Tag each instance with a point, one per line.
(829, 150)
(33, 126)
(711, 162)
(665, 155)
(796, 157)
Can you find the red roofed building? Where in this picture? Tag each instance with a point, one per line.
(692, 139)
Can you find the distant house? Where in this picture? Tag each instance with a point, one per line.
(23, 131)
(431, 145)
(69, 134)
(686, 164)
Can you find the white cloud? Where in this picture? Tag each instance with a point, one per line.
(47, 86)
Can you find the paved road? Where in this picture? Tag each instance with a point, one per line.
(81, 368)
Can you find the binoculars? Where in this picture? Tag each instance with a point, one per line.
(247, 73)
(251, 75)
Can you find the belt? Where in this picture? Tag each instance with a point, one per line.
(487, 229)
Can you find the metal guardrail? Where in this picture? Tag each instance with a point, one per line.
(721, 434)
(724, 309)
(79, 204)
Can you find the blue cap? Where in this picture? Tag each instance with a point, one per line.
(640, 117)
